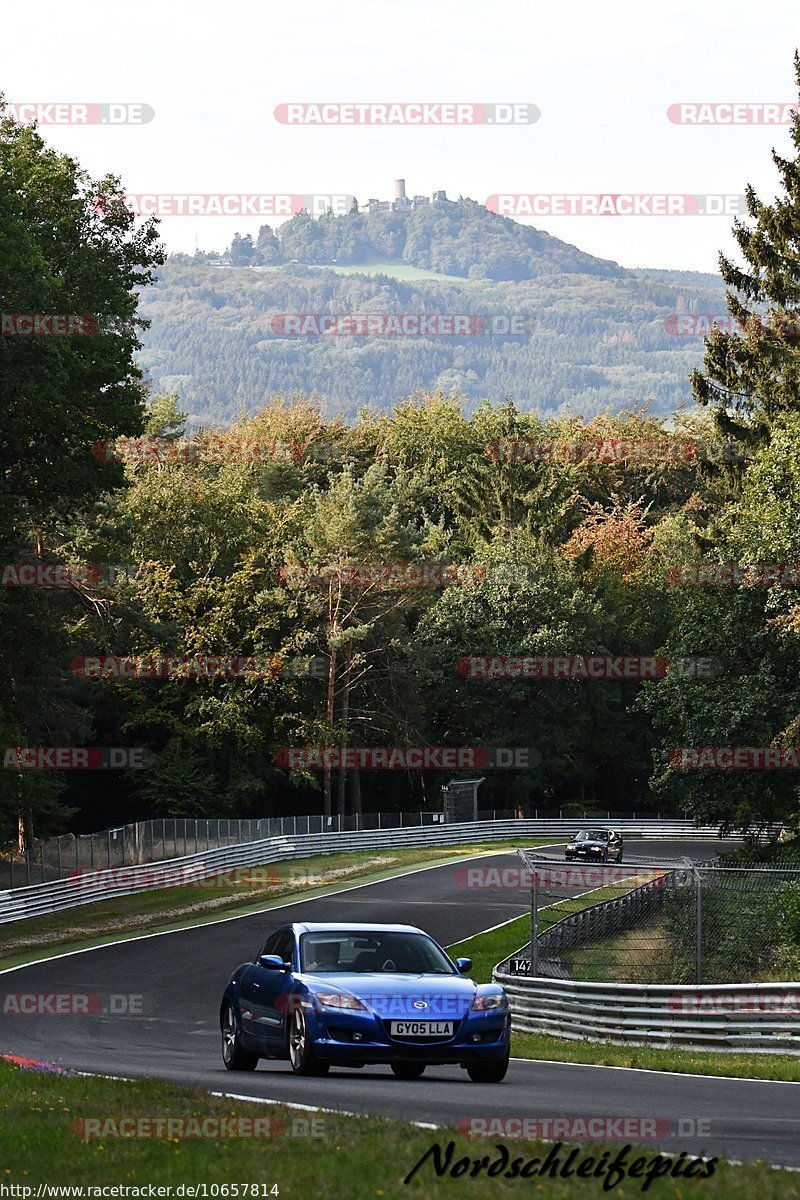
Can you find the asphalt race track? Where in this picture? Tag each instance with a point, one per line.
(177, 979)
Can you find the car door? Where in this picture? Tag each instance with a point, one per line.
(272, 991)
(251, 995)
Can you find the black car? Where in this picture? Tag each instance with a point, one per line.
(595, 845)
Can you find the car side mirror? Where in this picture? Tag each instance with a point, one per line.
(273, 962)
(463, 965)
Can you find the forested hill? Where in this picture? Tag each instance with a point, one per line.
(450, 237)
(592, 336)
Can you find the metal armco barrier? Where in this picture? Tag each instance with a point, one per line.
(90, 887)
(757, 1017)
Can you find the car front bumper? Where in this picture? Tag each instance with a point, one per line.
(333, 1040)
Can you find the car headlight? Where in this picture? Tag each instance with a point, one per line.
(339, 1000)
(484, 1003)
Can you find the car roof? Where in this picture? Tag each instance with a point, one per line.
(352, 926)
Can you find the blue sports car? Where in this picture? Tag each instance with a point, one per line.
(323, 995)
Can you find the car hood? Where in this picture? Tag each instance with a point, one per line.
(590, 845)
(418, 996)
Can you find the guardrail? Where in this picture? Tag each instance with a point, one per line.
(734, 1017)
(91, 887)
(162, 838)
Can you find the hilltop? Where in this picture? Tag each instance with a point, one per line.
(597, 336)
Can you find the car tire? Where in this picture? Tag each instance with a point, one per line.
(302, 1058)
(489, 1072)
(234, 1057)
(408, 1070)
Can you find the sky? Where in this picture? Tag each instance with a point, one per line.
(601, 76)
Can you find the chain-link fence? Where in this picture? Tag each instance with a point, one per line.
(657, 922)
(172, 837)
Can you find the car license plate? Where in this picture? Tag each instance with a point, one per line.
(421, 1028)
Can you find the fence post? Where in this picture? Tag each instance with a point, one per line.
(109, 849)
(379, 819)
(60, 871)
(698, 894)
(534, 967)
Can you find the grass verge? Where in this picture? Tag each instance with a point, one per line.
(361, 1158)
(779, 1067)
(235, 893)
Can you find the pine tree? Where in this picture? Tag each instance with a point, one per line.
(751, 377)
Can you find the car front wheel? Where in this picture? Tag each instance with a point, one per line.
(489, 1072)
(301, 1053)
(234, 1057)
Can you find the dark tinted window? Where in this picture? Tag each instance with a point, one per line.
(271, 943)
(400, 953)
(284, 945)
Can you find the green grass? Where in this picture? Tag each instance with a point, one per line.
(360, 1158)
(248, 890)
(395, 270)
(784, 1067)
(392, 268)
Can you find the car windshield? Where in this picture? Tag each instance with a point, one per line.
(592, 835)
(398, 953)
